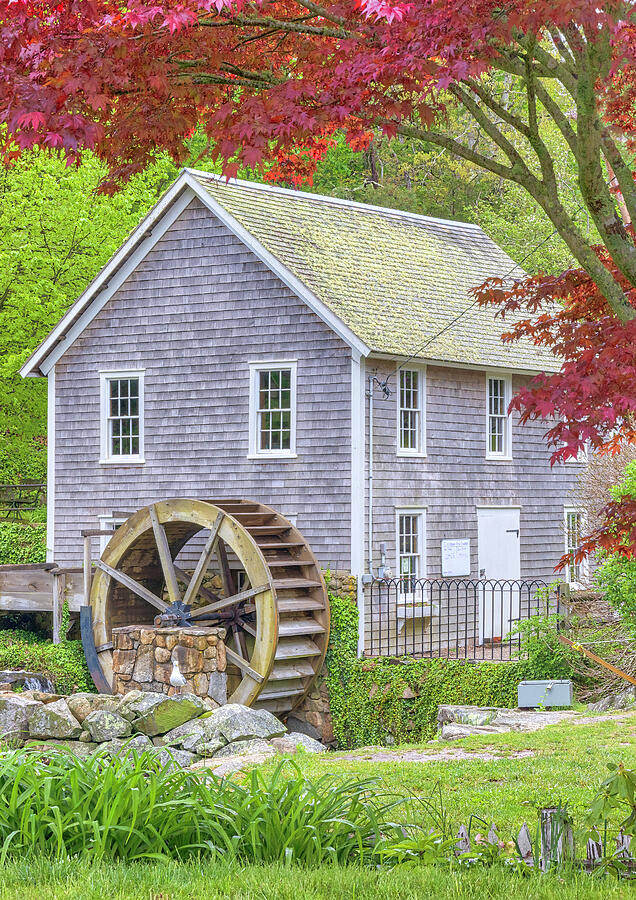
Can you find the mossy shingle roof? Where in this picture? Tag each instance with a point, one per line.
(395, 279)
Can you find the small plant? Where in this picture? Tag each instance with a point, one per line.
(616, 793)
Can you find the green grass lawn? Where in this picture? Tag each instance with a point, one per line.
(567, 764)
(76, 881)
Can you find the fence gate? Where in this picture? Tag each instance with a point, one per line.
(452, 618)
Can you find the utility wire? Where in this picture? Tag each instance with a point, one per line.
(416, 353)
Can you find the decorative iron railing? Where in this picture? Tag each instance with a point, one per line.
(452, 618)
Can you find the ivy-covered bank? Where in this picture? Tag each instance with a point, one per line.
(63, 663)
(386, 700)
(22, 544)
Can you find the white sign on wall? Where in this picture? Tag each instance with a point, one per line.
(455, 558)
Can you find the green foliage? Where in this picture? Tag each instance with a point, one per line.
(546, 656)
(21, 544)
(63, 663)
(54, 804)
(616, 793)
(616, 575)
(396, 700)
(55, 235)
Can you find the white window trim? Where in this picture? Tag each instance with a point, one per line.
(255, 369)
(584, 564)
(105, 457)
(506, 456)
(411, 511)
(106, 521)
(420, 452)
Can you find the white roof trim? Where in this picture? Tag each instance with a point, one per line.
(136, 248)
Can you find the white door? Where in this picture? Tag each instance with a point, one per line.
(499, 563)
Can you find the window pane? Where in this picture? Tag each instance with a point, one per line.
(124, 416)
(409, 553)
(409, 412)
(274, 409)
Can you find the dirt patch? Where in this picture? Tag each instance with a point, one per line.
(448, 754)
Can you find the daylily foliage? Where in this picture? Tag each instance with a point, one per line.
(274, 80)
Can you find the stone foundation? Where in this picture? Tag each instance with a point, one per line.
(342, 583)
(313, 716)
(143, 657)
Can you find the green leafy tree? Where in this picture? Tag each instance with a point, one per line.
(56, 232)
(617, 573)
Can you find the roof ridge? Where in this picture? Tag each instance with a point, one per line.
(336, 201)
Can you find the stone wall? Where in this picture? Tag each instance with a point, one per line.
(313, 716)
(342, 583)
(143, 656)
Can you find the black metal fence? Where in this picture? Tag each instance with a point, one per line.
(452, 619)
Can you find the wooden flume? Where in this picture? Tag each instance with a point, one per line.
(277, 622)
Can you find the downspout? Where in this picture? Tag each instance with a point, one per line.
(370, 477)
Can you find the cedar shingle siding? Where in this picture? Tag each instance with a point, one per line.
(194, 313)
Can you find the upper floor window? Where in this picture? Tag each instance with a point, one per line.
(273, 409)
(498, 431)
(576, 572)
(411, 412)
(122, 422)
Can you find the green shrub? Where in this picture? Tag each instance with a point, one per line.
(379, 700)
(53, 804)
(63, 663)
(616, 575)
(21, 544)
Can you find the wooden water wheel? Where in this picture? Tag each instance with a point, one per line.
(277, 618)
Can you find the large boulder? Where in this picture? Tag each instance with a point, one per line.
(54, 720)
(191, 735)
(105, 726)
(77, 748)
(171, 758)
(154, 714)
(239, 723)
(139, 743)
(247, 748)
(15, 713)
(296, 740)
(82, 704)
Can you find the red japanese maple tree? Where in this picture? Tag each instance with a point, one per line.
(273, 79)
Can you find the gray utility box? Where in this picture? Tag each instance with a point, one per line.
(544, 693)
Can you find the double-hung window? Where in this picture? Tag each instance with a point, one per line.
(498, 430)
(576, 572)
(411, 412)
(122, 416)
(410, 549)
(273, 409)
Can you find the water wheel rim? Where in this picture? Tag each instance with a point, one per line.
(204, 515)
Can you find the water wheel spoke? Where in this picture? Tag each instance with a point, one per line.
(227, 577)
(133, 586)
(204, 560)
(246, 626)
(243, 665)
(224, 602)
(239, 640)
(165, 557)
